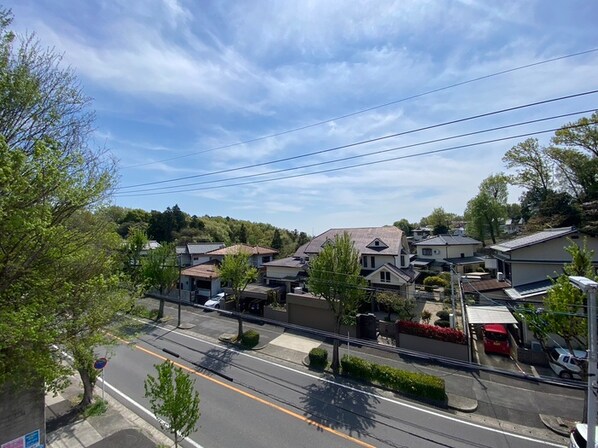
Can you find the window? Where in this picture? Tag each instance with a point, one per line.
(365, 262)
(426, 251)
(373, 262)
(402, 260)
(385, 277)
(265, 259)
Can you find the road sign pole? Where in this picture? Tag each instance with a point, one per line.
(103, 382)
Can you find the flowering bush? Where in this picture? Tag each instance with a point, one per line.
(432, 332)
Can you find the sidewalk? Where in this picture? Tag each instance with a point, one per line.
(117, 427)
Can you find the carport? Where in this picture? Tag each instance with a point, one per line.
(495, 314)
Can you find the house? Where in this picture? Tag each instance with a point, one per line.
(440, 252)
(383, 254)
(529, 263)
(257, 255)
(512, 226)
(422, 233)
(202, 280)
(192, 254)
(290, 272)
(149, 246)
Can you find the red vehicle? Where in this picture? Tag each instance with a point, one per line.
(496, 339)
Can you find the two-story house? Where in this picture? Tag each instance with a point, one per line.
(192, 254)
(529, 263)
(383, 253)
(440, 252)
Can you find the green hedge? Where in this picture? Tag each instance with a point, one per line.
(442, 323)
(420, 385)
(318, 358)
(250, 338)
(443, 314)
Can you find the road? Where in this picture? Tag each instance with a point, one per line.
(274, 404)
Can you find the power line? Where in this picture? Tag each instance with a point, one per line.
(468, 134)
(376, 162)
(369, 109)
(372, 140)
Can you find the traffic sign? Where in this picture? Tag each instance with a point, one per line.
(100, 363)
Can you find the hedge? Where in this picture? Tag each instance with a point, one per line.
(250, 338)
(415, 384)
(432, 332)
(443, 323)
(443, 314)
(318, 358)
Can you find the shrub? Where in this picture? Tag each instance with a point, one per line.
(426, 316)
(442, 323)
(446, 276)
(432, 332)
(318, 358)
(250, 339)
(412, 383)
(443, 314)
(436, 281)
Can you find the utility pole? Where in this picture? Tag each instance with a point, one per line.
(453, 325)
(179, 288)
(590, 287)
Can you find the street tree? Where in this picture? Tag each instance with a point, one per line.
(173, 399)
(334, 274)
(160, 271)
(136, 241)
(48, 174)
(237, 272)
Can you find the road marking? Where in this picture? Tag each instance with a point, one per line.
(256, 398)
(390, 400)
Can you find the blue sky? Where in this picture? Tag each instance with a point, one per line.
(177, 85)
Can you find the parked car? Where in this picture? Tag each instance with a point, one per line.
(216, 301)
(496, 339)
(564, 364)
(579, 437)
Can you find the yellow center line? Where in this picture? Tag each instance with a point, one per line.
(256, 398)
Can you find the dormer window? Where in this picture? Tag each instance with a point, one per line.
(377, 245)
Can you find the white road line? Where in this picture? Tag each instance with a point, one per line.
(398, 403)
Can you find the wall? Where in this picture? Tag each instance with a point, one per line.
(433, 347)
(313, 312)
(277, 315)
(22, 413)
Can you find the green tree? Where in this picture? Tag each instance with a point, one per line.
(173, 398)
(276, 240)
(48, 174)
(393, 302)
(405, 226)
(135, 243)
(160, 271)
(533, 169)
(237, 272)
(440, 221)
(486, 211)
(334, 274)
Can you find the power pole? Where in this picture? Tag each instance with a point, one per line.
(179, 288)
(590, 287)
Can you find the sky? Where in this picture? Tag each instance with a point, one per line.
(259, 110)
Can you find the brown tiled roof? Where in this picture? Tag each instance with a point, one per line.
(207, 270)
(251, 250)
(484, 285)
(362, 237)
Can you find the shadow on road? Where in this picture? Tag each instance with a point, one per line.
(217, 359)
(340, 408)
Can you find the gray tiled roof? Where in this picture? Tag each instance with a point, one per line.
(251, 250)
(203, 248)
(289, 262)
(448, 240)
(464, 260)
(361, 237)
(534, 238)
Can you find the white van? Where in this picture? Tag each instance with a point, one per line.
(579, 437)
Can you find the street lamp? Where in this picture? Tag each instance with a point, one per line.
(590, 287)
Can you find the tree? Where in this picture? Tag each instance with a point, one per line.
(440, 221)
(534, 169)
(405, 226)
(173, 398)
(135, 243)
(393, 301)
(276, 240)
(243, 234)
(486, 211)
(160, 271)
(334, 274)
(49, 174)
(238, 273)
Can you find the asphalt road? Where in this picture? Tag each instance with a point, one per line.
(271, 404)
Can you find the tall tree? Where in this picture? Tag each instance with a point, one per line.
(160, 271)
(405, 226)
(486, 211)
(334, 274)
(173, 398)
(237, 272)
(534, 169)
(49, 174)
(276, 240)
(440, 221)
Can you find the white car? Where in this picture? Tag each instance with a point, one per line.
(564, 364)
(579, 437)
(216, 301)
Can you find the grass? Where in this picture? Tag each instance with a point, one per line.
(98, 407)
(141, 311)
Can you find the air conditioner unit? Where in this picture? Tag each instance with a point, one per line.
(297, 290)
(500, 276)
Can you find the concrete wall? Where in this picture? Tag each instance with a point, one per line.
(277, 315)
(313, 312)
(22, 413)
(433, 347)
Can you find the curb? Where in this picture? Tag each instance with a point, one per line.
(558, 425)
